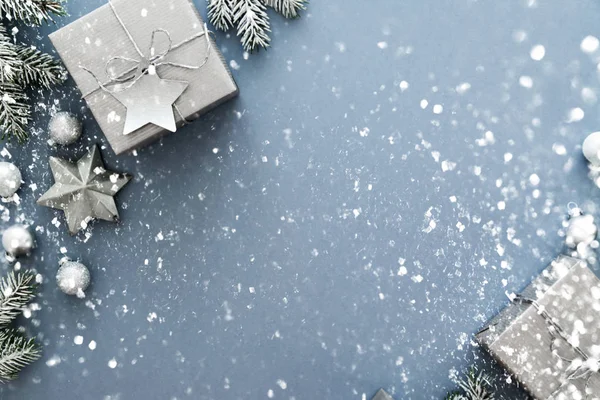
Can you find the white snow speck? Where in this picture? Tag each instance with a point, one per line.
(78, 340)
(575, 115)
(537, 52)
(463, 88)
(534, 179)
(282, 384)
(382, 45)
(438, 109)
(589, 44)
(526, 81)
(112, 363)
(53, 361)
(92, 345)
(151, 316)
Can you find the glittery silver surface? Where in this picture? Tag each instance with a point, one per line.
(17, 241)
(73, 278)
(64, 128)
(10, 179)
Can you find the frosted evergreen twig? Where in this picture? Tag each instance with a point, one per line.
(33, 12)
(252, 23)
(16, 290)
(287, 8)
(37, 68)
(16, 352)
(220, 13)
(476, 386)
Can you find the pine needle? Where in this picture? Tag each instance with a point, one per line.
(288, 8)
(33, 12)
(38, 68)
(476, 386)
(16, 352)
(456, 396)
(220, 13)
(9, 61)
(252, 24)
(16, 290)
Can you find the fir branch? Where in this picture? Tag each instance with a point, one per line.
(32, 12)
(16, 290)
(456, 396)
(252, 24)
(38, 68)
(287, 8)
(220, 13)
(16, 352)
(9, 60)
(476, 386)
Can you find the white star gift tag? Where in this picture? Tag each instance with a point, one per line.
(150, 101)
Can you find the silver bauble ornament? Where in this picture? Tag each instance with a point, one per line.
(581, 230)
(73, 278)
(17, 241)
(64, 128)
(10, 179)
(591, 148)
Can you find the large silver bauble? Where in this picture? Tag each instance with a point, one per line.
(591, 148)
(64, 128)
(581, 229)
(10, 179)
(73, 278)
(17, 241)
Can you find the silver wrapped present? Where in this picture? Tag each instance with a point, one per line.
(548, 338)
(111, 52)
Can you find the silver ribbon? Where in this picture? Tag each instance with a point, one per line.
(146, 62)
(582, 370)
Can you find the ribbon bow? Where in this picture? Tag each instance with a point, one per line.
(147, 62)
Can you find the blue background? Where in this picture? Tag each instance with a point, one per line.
(268, 235)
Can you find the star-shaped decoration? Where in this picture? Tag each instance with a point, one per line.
(84, 191)
(150, 101)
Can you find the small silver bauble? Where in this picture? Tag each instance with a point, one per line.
(10, 179)
(17, 241)
(64, 128)
(581, 229)
(73, 278)
(591, 148)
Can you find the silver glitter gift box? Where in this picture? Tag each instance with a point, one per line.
(121, 39)
(548, 338)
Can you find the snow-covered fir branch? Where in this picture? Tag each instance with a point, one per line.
(220, 13)
(32, 12)
(252, 24)
(16, 289)
(287, 8)
(16, 352)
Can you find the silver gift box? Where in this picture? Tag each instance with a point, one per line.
(552, 346)
(94, 39)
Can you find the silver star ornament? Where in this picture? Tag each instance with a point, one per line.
(150, 101)
(84, 190)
